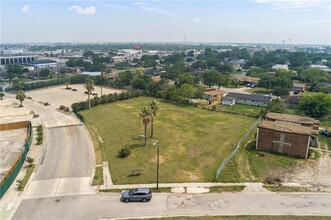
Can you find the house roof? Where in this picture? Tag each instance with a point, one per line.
(248, 79)
(214, 92)
(288, 127)
(302, 85)
(292, 118)
(255, 97)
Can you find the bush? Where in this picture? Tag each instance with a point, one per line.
(124, 152)
(62, 107)
(66, 109)
(46, 104)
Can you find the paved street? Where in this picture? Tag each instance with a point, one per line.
(104, 206)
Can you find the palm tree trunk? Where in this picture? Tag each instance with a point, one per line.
(21, 103)
(152, 127)
(89, 101)
(145, 135)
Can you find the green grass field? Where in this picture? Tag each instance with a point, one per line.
(193, 141)
(240, 108)
(250, 165)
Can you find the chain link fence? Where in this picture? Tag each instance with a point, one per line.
(239, 144)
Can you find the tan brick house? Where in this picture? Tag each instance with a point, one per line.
(287, 134)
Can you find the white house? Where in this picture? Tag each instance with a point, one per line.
(247, 99)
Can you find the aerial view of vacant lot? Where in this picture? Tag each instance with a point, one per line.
(193, 141)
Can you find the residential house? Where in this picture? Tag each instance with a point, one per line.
(247, 99)
(280, 66)
(214, 96)
(248, 79)
(299, 86)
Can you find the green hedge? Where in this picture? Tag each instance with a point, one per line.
(79, 106)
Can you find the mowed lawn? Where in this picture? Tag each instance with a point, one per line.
(193, 141)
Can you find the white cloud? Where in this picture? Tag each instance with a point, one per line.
(197, 19)
(89, 10)
(146, 7)
(25, 8)
(295, 5)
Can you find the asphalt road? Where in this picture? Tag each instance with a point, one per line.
(107, 206)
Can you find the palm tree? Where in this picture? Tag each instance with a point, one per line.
(89, 87)
(145, 115)
(154, 105)
(20, 95)
(67, 81)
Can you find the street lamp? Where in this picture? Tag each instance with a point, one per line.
(157, 164)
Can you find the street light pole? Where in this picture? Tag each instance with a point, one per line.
(157, 164)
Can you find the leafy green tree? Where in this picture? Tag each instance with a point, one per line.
(222, 80)
(101, 81)
(124, 78)
(45, 72)
(199, 65)
(138, 83)
(313, 75)
(89, 86)
(154, 105)
(225, 68)
(145, 115)
(2, 95)
(266, 82)
(280, 91)
(20, 95)
(186, 78)
(316, 106)
(210, 78)
(18, 84)
(187, 91)
(256, 72)
(277, 106)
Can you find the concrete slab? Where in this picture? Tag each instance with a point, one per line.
(195, 190)
(178, 190)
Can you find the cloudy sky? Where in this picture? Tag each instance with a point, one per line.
(236, 21)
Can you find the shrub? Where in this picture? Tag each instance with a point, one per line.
(66, 109)
(29, 160)
(124, 152)
(62, 107)
(46, 104)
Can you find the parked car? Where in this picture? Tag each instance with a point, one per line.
(253, 85)
(296, 91)
(137, 195)
(248, 85)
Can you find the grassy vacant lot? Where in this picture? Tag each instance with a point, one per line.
(193, 141)
(250, 165)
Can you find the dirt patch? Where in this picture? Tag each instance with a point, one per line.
(161, 159)
(316, 173)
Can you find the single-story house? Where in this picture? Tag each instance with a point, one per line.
(323, 85)
(285, 137)
(299, 86)
(292, 101)
(214, 96)
(247, 99)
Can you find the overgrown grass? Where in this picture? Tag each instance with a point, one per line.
(273, 188)
(98, 177)
(221, 189)
(325, 141)
(26, 178)
(193, 141)
(240, 108)
(250, 165)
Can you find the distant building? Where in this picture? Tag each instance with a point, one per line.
(238, 63)
(299, 86)
(248, 79)
(91, 73)
(247, 99)
(18, 59)
(280, 66)
(43, 63)
(287, 134)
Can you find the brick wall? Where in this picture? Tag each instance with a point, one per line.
(298, 143)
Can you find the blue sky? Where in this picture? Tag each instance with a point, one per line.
(246, 21)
